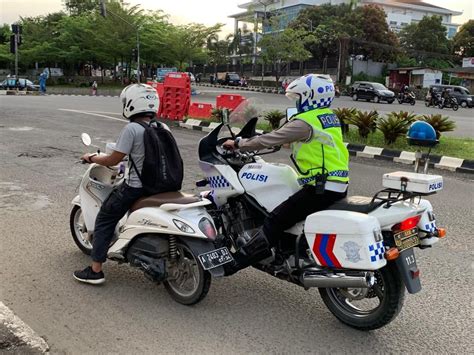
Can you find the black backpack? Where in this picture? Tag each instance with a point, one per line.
(162, 169)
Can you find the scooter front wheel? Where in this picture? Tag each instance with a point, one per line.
(188, 283)
(79, 230)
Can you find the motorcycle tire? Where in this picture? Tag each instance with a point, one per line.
(412, 102)
(77, 232)
(201, 280)
(355, 97)
(440, 106)
(400, 101)
(455, 107)
(393, 295)
(427, 104)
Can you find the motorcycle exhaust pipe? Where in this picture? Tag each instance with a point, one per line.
(363, 280)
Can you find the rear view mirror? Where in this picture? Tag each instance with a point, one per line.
(290, 112)
(86, 139)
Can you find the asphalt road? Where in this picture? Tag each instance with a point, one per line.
(249, 312)
(464, 117)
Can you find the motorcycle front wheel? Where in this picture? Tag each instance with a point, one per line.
(455, 107)
(368, 309)
(188, 282)
(79, 230)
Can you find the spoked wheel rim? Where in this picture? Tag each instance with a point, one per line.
(80, 229)
(186, 280)
(359, 302)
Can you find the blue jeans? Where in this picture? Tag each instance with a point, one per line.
(111, 212)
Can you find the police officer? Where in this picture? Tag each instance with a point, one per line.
(320, 157)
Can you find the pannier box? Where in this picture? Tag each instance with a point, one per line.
(342, 239)
(421, 183)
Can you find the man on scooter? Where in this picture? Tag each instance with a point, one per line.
(320, 156)
(140, 104)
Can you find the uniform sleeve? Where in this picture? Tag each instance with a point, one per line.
(294, 131)
(125, 141)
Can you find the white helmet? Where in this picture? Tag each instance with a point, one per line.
(139, 99)
(311, 91)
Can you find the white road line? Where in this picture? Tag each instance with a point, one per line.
(21, 330)
(110, 113)
(92, 114)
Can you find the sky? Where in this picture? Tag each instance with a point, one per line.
(207, 12)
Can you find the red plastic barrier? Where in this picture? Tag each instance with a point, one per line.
(176, 96)
(198, 110)
(229, 101)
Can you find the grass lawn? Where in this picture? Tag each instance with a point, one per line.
(462, 148)
(453, 147)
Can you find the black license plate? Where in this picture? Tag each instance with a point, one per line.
(407, 239)
(215, 258)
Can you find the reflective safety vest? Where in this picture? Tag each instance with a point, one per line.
(325, 149)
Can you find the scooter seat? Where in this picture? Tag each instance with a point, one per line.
(167, 197)
(359, 204)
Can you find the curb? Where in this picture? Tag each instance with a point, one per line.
(19, 93)
(22, 331)
(365, 151)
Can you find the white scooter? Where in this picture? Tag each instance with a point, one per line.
(359, 252)
(169, 236)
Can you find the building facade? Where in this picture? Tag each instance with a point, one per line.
(399, 13)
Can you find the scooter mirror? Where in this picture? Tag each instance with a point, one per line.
(86, 139)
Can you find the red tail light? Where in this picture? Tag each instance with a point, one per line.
(407, 224)
(207, 228)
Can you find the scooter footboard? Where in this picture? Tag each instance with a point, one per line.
(345, 240)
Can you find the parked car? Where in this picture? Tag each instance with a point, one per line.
(460, 93)
(232, 79)
(364, 90)
(21, 84)
(191, 76)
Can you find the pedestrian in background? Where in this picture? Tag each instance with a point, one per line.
(94, 88)
(42, 81)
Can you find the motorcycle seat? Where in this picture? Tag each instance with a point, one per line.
(157, 200)
(359, 204)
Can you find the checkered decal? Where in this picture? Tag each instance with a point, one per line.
(218, 182)
(376, 251)
(430, 227)
(324, 102)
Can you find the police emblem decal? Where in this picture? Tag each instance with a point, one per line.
(352, 251)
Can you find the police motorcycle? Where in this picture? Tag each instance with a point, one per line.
(360, 253)
(169, 236)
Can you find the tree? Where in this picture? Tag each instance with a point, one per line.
(426, 39)
(281, 47)
(377, 41)
(80, 7)
(464, 40)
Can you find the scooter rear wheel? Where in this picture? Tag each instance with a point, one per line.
(188, 282)
(79, 230)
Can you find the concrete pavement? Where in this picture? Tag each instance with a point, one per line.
(246, 313)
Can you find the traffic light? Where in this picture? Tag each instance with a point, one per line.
(103, 9)
(135, 54)
(12, 44)
(16, 29)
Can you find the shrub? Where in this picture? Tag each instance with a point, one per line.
(393, 127)
(345, 115)
(366, 122)
(440, 123)
(274, 117)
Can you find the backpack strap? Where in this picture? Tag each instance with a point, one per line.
(144, 125)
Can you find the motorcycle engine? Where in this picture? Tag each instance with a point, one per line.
(241, 222)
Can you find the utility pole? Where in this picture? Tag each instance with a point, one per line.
(16, 56)
(264, 3)
(104, 11)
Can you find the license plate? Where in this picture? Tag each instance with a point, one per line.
(407, 239)
(215, 258)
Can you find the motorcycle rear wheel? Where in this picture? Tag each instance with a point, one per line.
(190, 282)
(79, 230)
(455, 107)
(388, 289)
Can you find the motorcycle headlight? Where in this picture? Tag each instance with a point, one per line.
(183, 227)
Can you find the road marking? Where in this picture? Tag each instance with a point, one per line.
(92, 114)
(110, 113)
(21, 330)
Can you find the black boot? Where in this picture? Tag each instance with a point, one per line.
(253, 251)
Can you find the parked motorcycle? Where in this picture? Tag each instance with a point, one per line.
(169, 236)
(450, 102)
(406, 98)
(359, 252)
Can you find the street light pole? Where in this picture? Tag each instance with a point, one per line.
(264, 3)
